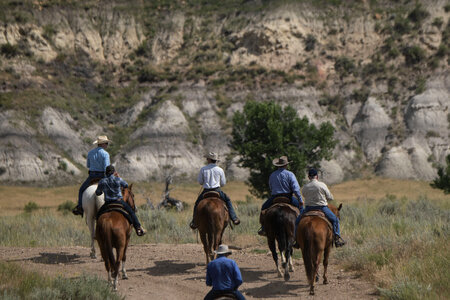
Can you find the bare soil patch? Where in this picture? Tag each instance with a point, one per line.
(166, 271)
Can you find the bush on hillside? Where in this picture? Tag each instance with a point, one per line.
(443, 180)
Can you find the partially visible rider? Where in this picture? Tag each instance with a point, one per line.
(282, 183)
(316, 196)
(212, 177)
(111, 186)
(223, 275)
(97, 161)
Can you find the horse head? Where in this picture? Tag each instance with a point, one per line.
(128, 196)
(335, 210)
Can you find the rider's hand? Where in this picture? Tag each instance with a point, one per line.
(116, 174)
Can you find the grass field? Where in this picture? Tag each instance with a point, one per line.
(397, 231)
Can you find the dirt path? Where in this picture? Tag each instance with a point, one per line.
(162, 271)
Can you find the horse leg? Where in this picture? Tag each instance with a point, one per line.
(124, 271)
(325, 264)
(286, 265)
(91, 224)
(211, 241)
(273, 249)
(205, 245)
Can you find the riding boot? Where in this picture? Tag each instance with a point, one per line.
(140, 231)
(262, 232)
(192, 224)
(78, 210)
(339, 242)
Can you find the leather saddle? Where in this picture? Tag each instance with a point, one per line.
(108, 207)
(211, 194)
(224, 296)
(320, 214)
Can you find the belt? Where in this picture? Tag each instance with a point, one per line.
(96, 172)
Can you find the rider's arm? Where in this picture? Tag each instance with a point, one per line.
(99, 189)
(208, 277)
(200, 178)
(296, 188)
(237, 276)
(327, 193)
(223, 180)
(105, 158)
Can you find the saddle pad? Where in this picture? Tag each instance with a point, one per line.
(211, 194)
(293, 208)
(320, 214)
(281, 199)
(114, 207)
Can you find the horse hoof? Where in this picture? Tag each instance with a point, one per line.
(93, 256)
(311, 292)
(124, 276)
(325, 281)
(287, 277)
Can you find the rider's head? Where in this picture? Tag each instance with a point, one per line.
(102, 141)
(212, 157)
(110, 170)
(312, 173)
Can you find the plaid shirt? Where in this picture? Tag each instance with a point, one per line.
(111, 186)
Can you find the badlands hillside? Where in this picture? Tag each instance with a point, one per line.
(163, 78)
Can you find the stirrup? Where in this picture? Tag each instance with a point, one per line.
(77, 211)
(141, 231)
(192, 225)
(261, 232)
(236, 221)
(339, 242)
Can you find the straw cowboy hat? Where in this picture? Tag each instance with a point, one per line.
(212, 155)
(102, 139)
(223, 249)
(281, 161)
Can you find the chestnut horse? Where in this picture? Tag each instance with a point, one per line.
(315, 238)
(279, 224)
(114, 231)
(211, 218)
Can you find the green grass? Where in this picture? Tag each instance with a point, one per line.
(18, 283)
(402, 244)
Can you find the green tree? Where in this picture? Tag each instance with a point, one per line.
(443, 180)
(264, 131)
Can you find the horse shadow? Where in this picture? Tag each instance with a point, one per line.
(274, 289)
(56, 258)
(167, 267)
(252, 274)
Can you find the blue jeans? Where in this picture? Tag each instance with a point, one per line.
(213, 293)
(87, 183)
(129, 210)
(268, 202)
(328, 213)
(222, 196)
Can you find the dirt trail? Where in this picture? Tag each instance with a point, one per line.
(163, 271)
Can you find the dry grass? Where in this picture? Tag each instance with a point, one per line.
(14, 198)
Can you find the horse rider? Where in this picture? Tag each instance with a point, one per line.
(97, 161)
(282, 183)
(223, 275)
(111, 186)
(212, 177)
(316, 196)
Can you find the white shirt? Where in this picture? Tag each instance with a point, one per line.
(211, 176)
(316, 193)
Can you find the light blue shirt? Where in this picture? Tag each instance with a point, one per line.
(283, 181)
(97, 160)
(211, 176)
(223, 274)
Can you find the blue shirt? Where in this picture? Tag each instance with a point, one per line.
(111, 186)
(283, 181)
(223, 274)
(97, 160)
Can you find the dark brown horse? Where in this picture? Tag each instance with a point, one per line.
(279, 223)
(212, 219)
(315, 238)
(114, 231)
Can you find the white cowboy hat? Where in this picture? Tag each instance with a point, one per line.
(102, 139)
(212, 155)
(281, 161)
(223, 249)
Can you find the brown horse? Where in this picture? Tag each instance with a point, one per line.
(114, 231)
(315, 238)
(279, 223)
(212, 219)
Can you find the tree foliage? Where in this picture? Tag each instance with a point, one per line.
(443, 180)
(265, 131)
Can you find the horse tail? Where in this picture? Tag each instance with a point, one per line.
(281, 231)
(308, 253)
(109, 247)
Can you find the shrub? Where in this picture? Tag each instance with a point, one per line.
(438, 22)
(443, 180)
(344, 66)
(49, 32)
(66, 207)
(310, 42)
(418, 14)
(9, 50)
(413, 54)
(30, 207)
(401, 26)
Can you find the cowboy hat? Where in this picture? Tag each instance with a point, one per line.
(212, 155)
(281, 161)
(102, 139)
(223, 249)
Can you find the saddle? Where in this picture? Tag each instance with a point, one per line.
(274, 205)
(224, 296)
(320, 214)
(94, 181)
(108, 207)
(211, 194)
